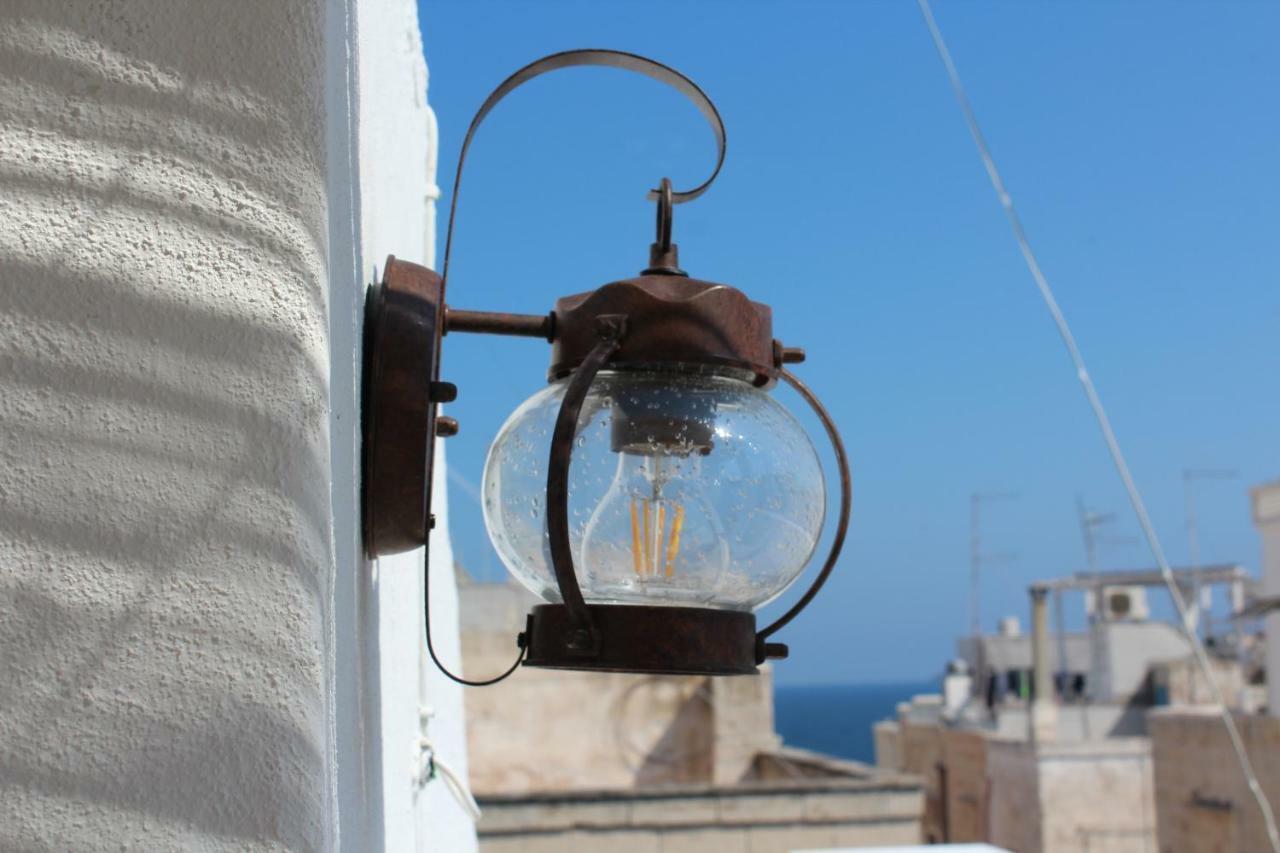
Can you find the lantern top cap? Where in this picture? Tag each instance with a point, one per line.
(674, 322)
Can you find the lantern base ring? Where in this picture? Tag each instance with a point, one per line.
(647, 639)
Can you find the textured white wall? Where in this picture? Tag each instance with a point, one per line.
(165, 529)
(193, 654)
(397, 169)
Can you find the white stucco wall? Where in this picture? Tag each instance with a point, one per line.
(1123, 653)
(165, 532)
(192, 652)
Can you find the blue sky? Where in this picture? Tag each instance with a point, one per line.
(1140, 141)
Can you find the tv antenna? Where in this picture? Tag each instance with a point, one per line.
(1189, 478)
(977, 557)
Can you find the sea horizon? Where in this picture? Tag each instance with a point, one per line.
(836, 719)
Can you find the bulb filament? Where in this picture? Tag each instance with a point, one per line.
(654, 546)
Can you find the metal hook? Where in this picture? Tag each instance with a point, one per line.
(664, 256)
(663, 239)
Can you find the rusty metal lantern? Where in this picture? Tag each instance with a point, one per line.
(663, 373)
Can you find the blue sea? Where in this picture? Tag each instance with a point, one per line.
(837, 719)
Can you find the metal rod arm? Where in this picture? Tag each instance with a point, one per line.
(610, 329)
(846, 502)
(497, 323)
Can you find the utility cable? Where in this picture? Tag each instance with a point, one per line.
(1104, 423)
(432, 766)
(431, 649)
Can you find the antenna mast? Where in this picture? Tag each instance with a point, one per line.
(976, 500)
(1189, 476)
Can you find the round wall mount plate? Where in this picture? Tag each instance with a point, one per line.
(403, 325)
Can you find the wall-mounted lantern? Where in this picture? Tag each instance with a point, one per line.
(653, 494)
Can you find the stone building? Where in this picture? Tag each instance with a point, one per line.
(1046, 754)
(1203, 803)
(1061, 795)
(575, 761)
(598, 730)
(1136, 759)
(1266, 515)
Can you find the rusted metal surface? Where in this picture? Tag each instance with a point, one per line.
(639, 638)
(610, 332)
(671, 320)
(676, 322)
(664, 256)
(446, 427)
(497, 323)
(786, 355)
(401, 373)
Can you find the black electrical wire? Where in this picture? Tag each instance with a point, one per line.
(431, 649)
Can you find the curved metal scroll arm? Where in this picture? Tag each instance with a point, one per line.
(846, 501)
(611, 328)
(611, 59)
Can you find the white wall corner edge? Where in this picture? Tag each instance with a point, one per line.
(383, 148)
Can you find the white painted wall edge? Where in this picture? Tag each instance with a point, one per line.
(396, 170)
(354, 710)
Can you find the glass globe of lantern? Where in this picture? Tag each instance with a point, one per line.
(688, 489)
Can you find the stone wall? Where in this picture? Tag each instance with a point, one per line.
(952, 766)
(888, 737)
(1180, 682)
(764, 818)
(921, 755)
(1266, 516)
(965, 795)
(742, 725)
(1202, 802)
(1092, 794)
(551, 730)
(1014, 811)
(558, 730)
(1096, 796)
(1066, 797)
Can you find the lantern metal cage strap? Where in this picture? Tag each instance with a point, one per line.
(664, 371)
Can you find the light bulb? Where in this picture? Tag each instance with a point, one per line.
(685, 489)
(656, 534)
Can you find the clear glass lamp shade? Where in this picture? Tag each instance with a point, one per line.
(684, 490)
